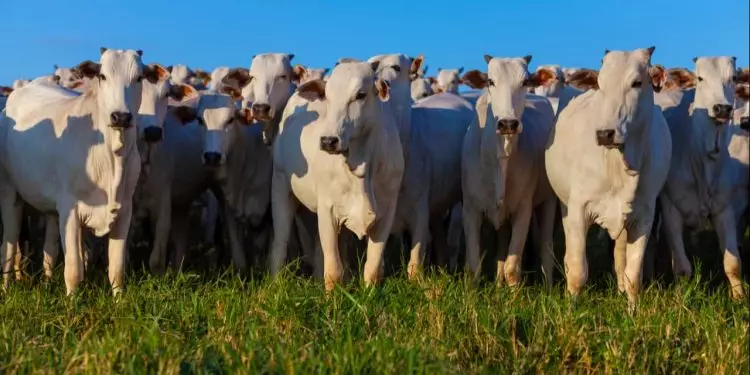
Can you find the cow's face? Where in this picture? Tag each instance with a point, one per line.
(628, 97)
(715, 89)
(180, 74)
(271, 77)
(447, 80)
(117, 79)
(421, 88)
(352, 95)
(157, 90)
(551, 80)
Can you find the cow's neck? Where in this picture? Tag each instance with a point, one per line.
(706, 153)
(401, 103)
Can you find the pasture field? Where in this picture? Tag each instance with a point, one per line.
(201, 323)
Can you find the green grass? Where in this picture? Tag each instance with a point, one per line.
(442, 324)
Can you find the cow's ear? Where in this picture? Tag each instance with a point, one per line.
(487, 59)
(383, 89)
(416, 65)
(313, 90)
(232, 91)
(238, 77)
(244, 116)
(743, 91)
(658, 76)
(155, 73)
(88, 69)
(460, 70)
(181, 92)
(542, 77)
(475, 79)
(527, 58)
(185, 114)
(585, 79)
(743, 76)
(5, 90)
(684, 77)
(298, 73)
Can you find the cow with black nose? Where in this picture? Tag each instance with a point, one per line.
(504, 172)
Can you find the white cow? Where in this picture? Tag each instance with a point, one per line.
(181, 74)
(503, 166)
(75, 155)
(607, 160)
(448, 80)
(703, 178)
(70, 78)
(342, 160)
(421, 88)
(217, 75)
(741, 113)
(671, 87)
(432, 131)
(552, 86)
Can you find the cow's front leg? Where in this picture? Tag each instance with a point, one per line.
(328, 230)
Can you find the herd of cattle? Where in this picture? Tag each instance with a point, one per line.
(379, 148)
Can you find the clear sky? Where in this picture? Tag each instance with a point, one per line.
(204, 34)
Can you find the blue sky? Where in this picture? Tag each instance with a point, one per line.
(39, 33)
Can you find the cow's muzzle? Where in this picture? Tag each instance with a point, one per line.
(508, 126)
(722, 113)
(152, 134)
(211, 159)
(261, 112)
(607, 138)
(331, 145)
(745, 123)
(121, 119)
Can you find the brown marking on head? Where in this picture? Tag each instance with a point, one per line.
(682, 77)
(475, 79)
(231, 90)
(743, 91)
(312, 90)
(743, 75)
(658, 76)
(203, 75)
(585, 79)
(182, 91)
(298, 73)
(185, 114)
(154, 73)
(544, 76)
(88, 69)
(237, 77)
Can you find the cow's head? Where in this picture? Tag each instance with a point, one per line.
(352, 95)
(117, 83)
(219, 113)
(70, 78)
(626, 88)
(421, 88)
(271, 75)
(583, 79)
(397, 70)
(157, 90)
(448, 80)
(742, 97)
(302, 74)
(180, 73)
(715, 89)
(551, 80)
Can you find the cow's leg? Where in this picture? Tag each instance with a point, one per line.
(70, 233)
(502, 239)
(209, 216)
(310, 250)
(376, 241)
(235, 241)
(283, 208)
(673, 226)
(576, 265)
(162, 226)
(419, 234)
(180, 235)
(520, 222)
(472, 227)
(620, 255)
(727, 232)
(118, 238)
(637, 238)
(11, 213)
(455, 229)
(51, 245)
(328, 231)
(546, 224)
(439, 241)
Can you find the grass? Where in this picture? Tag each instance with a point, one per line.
(442, 324)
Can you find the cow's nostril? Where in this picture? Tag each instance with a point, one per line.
(722, 110)
(605, 137)
(508, 126)
(328, 143)
(261, 108)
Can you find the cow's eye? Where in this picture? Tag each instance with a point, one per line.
(361, 95)
(700, 78)
(283, 78)
(734, 79)
(102, 77)
(525, 82)
(396, 68)
(139, 79)
(636, 84)
(491, 82)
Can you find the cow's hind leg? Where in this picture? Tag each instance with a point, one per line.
(283, 208)
(51, 245)
(70, 233)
